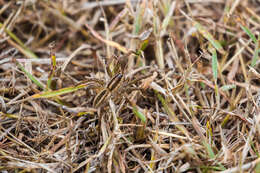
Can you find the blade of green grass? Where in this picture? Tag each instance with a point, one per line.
(53, 62)
(139, 114)
(49, 81)
(48, 94)
(254, 149)
(30, 76)
(209, 37)
(136, 111)
(215, 71)
(209, 149)
(168, 16)
(9, 115)
(227, 87)
(85, 113)
(139, 18)
(143, 46)
(249, 33)
(226, 119)
(36, 81)
(214, 63)
(209, 129)
(27, 51)
(216, 168)
(256, 52)
(257, 168)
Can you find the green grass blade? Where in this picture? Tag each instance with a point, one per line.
(49, 80)
(214, 64)
(256, 52)
(215, 168)
(209, 37)
(227, 87)
(257, 168)
(27, 51)
(139, 114)
(168, 16)
(35, 80)
(144, 45)
(249, 33)
(48, 94)
(30, 76)
(51, 75)
(209, 150)
(138, 19)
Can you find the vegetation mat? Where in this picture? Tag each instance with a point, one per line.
(129, 86)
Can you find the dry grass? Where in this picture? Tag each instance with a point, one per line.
(130, 86)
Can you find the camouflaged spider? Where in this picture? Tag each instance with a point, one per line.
(118, 84)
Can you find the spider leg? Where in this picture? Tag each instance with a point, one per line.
(130, 89)
(138, 79)
(99, 82)
(101, 97)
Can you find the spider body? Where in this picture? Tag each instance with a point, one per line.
(117, 85)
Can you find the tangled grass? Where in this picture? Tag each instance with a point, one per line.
(130, 86)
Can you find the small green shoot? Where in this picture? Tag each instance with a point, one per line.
(139, 114)
(53, 68)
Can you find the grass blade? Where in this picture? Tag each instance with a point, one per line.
(51, 75)
(48, 94)
(139, 18)
(139, 114)
(110, 43)
(30, 76)
(249, 33)
(227, 87)
(256, 52)
(214, 63)
(136, 110)
(209, 149)
(257, 168)
(209, 37)
(26, 50)
(168, 16)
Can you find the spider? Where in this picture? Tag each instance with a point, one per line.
(118, 85)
